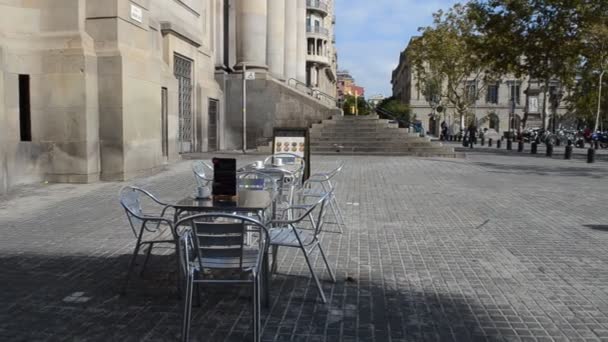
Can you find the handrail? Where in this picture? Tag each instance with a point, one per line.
(308, 90)
(391, 116)
(327, 96)
(313, 92)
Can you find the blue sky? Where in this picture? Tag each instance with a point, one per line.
(371, 34)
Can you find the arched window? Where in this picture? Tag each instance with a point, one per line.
(494, 122)
(515, 122)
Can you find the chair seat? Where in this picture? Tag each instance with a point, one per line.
(249, 262)
(287, 237)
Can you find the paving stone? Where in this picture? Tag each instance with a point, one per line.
(487, 248)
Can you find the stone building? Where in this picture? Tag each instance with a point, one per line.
(493, 108)
(321, 60)
(110, 89)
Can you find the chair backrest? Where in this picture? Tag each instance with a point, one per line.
(255, 180)
(131, 199)
(217, 240)
(316, 212)
(286, 158)
(203, 173)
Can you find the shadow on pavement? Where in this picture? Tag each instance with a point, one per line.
(601, 227)
(50, 297)
(544, 170)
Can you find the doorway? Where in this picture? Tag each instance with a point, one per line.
(183, 73)
(212, 124)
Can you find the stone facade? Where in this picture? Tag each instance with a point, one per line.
(492, 108)
(322, 56)
(109, 89)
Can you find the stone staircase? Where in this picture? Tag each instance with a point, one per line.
(361, 135)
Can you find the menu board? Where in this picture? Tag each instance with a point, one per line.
(295, 141)
(293, 145)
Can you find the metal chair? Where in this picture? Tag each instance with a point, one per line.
(292, 233)
(144, 225)
(203, 173)
(215, 242)
(321, 183)
(267, 181)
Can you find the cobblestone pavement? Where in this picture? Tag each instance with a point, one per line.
(491, 247)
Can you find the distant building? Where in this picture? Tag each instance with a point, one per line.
(492, 109)
(375, 100)
(347, 86)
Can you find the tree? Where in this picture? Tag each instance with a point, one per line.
(400, 110)
(536, 38)
(446, 64)
(583, 99)
(594, 37)
(350, 102)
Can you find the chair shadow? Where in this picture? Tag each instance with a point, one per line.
(600, 227)
(77, 298)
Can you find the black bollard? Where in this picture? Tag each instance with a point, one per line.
(558, 142)
(520, 146)
(597, 145)
(483, 141)
(465, 142)
(533, 148)
(490, 142)
(509, 144)
(459, 137)
(568, 153)
(450, 138)
(590, 156)
(498, 143)
(549, 151)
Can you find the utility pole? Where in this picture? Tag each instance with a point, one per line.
(244, 108)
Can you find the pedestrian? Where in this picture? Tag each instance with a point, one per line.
(444, 131)
(472, 135)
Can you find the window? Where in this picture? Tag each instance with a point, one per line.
(492, 94)
(471, 91)
(25, 119)
(515, 91)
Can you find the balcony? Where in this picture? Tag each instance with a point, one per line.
(318, 59)
(317, 30)
(318, 6)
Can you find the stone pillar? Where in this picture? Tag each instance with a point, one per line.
(291, 39)
(301, 42)
(275, 55)
(218, 30)
(251, 33)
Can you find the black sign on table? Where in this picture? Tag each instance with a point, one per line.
(295, 141)
(224, 177)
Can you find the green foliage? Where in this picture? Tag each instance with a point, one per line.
(350, 102)
(399, 109)
(539, 39)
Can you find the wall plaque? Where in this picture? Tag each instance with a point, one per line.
(137, 13)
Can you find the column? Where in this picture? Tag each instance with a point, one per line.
(301, 42)
(275, 54)
(291, 38)
(251, 34)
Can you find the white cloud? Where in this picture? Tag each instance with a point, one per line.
(372, 34)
